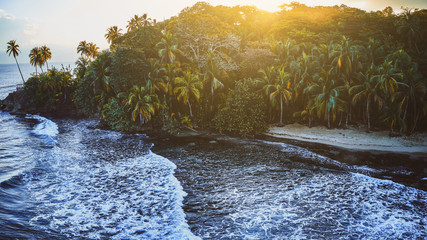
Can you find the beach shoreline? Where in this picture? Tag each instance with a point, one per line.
(352, 138)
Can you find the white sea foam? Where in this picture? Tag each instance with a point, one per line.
(45, 127)
(332, 205)
(130, 198)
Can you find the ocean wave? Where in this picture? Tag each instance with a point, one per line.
(129, 198)
(45, 127)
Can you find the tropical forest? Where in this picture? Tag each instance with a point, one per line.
(239, 69)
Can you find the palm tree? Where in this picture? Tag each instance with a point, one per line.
(168, 48)
(282, 90)
(171, 71)
(13, 48)
(326, 95)
(35, 58)
(143, 103)
(155, 76)
(267, 78)
(368, 90)
(112, 34)
(213, 73)
(81, 67)
(409, 27)
(46, 55)
(137, 21)
(98, 74)
(145, 20)
(186, 87)
(83, 48)
(93, 50)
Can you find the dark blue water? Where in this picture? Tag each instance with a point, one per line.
(82, 183)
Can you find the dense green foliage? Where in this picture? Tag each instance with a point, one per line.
(117, 116)
(51, 90)
(244, 111)
(239, 68)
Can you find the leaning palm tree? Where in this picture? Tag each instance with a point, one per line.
(46, 54)
(187, 87)
(13, 48)
(35, 58)
(112, 34)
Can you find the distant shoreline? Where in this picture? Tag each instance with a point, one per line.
(352, 138)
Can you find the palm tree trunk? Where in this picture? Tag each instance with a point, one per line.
(367, 114)
(19, 69)
(36, 71)
(346, 120)
(329, 121)
(47, 66)
(189, 106)
(281, 110)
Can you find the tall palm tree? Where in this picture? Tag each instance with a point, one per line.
(99, 71)
(46, 55)
(187, 87)
(171, 71)
(326, 95)
(368, 90)
(282, 90)
(143, 103)
(113, 33)
(267, 78)
(13, 48)
(36, 58)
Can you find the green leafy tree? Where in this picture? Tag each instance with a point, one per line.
(244, 111)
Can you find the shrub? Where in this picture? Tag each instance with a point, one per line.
(117, 116)
(244, 112)
(50, 89)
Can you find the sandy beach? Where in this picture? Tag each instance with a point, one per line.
(352, 138)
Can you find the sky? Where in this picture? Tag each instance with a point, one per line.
(62, 24)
